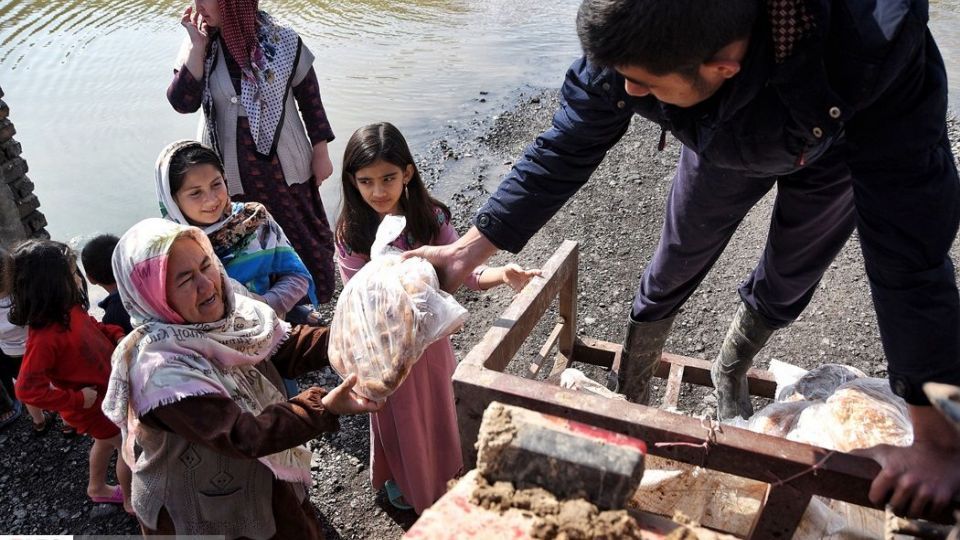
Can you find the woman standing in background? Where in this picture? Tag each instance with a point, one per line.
(249, 75)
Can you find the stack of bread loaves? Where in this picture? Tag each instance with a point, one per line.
(388, 313)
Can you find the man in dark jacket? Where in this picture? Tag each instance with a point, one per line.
(840, 104)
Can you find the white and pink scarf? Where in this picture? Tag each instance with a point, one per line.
(165, 359)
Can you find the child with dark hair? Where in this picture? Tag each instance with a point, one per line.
(414, 442)
(96, 257)
(13, 340)
(66, 363)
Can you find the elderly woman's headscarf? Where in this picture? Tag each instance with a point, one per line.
(248, 241)
(267, 54)
(166, 359)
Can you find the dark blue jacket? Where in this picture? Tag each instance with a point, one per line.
(853, 78)
(115, 313)
(864, 78)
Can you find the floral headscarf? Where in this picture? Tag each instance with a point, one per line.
(166, 359)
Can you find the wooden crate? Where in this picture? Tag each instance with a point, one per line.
(793, 472)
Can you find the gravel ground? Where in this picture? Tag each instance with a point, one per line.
(616, 219)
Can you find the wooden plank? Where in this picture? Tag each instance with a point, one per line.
(596, 352)
(567, 305)
(734, 451)
(671, 398)
(696, 371)
(783, 508)
(537, 362)
(560, 363)
(508, 333)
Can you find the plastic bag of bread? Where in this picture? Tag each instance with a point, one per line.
(859, 414)
(777, 419)
(819, 383)
(387, 314)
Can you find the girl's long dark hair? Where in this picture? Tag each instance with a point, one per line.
(357, 225)
(44, 288)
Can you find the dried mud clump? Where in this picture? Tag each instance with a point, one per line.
(572, 519)
(498, 431)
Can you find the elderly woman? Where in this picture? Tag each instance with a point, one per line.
(196, 389)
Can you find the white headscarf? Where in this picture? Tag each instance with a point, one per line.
(166, 359)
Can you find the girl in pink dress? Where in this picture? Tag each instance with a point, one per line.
(414, 441)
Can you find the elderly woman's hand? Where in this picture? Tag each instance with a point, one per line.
(341, 400)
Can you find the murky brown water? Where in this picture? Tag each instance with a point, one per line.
(85, 80)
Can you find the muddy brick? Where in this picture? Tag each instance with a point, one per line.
(567, 458)
(4, 110)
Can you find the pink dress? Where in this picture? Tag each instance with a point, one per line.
(414, 439)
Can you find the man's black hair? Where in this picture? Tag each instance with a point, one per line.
(662, 36)
(97, 258)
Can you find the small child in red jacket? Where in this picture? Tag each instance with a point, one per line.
(66, 365)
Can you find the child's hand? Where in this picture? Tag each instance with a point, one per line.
(516, 277)
(89, 396)
(196, 27)
(320, 165)
(342, 400)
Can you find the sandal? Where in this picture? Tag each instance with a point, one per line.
(11, 416)
(39, 428)
(315, 318)
(67, 430)
(395, 496)
(114, 498)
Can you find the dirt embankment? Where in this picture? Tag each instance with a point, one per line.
(616, 218)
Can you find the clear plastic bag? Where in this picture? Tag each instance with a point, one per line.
(388, 313)
(837, 407)
(819, 383)
(574, 379)
(777, 419)
(859, 414)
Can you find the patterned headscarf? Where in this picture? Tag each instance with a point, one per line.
(267, 54)
(166, 359)
(238, 24)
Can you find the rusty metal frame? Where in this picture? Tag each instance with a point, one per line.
(479, 380)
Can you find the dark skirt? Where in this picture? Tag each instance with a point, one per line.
(297, 208)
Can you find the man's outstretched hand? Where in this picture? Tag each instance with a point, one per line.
(455, 261)
(923, 479)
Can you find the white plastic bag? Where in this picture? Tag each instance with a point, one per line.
(388, 313)
(574, 379)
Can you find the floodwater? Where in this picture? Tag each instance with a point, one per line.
(86, 81)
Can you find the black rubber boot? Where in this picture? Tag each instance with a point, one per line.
(748, 334)
(641, 355)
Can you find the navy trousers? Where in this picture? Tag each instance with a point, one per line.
(906, 219)
(812, 219)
